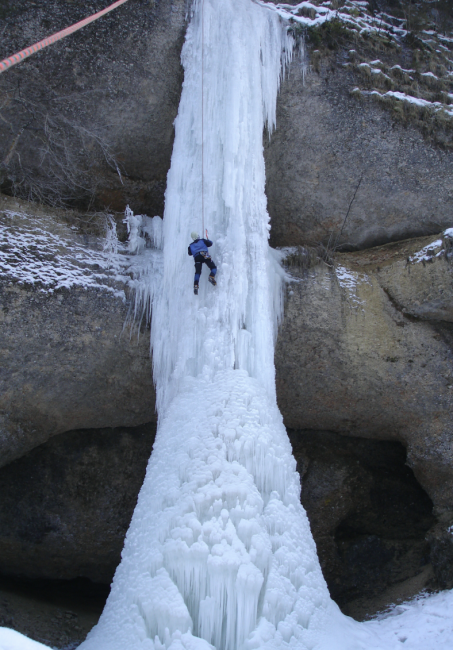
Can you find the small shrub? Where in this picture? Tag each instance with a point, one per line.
(306, 257)
(332, 34)
(307, 12)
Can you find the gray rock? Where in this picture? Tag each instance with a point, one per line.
(66, 360)
(66, 364)
(349, 360)
(422, 285)
(66, 506)
(368, 515)
(441, 555)
(112, 87)
(326, 140)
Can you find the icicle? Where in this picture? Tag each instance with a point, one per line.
(219, 551)
(145, 242)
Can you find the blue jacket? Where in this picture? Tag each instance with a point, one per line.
(198, 246)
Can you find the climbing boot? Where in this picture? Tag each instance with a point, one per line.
(195, 289)
(211, 279)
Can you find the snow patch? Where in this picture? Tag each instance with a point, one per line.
(353, 14)
(373, 70)
(435, 106)
(44, 253)
(427, 253)
(12, 640)
(398, 67)
(425, 623)
(349, 281)
(36, 251)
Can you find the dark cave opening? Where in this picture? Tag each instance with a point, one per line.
(369, 517)
(58, 613)
(368, 514)
(64, 593)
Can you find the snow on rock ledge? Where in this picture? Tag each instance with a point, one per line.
(37, 250)
(66, 362)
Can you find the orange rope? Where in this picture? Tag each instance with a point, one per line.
(24, 54)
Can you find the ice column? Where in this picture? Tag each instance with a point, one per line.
(219, 551)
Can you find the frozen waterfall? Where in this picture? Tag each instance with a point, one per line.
(219, 551)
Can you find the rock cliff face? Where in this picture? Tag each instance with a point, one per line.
(66, 360)
(359, 133)
(326, 142)
(357, 355)
(103, 97)
(51, 383)
(66, 506)
(368, 515)
(364, 379)
(364, 355)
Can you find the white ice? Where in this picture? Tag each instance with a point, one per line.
(219, 553)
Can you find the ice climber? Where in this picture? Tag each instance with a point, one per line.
(199, 249)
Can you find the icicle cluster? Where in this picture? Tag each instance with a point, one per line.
(219, 552)
(145, 242)
(243, 51)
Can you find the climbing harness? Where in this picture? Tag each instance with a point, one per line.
(24, 54)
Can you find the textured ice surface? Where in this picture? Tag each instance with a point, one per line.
(219, 552)
(425, 623)
(235, 326)
(219, 546)
(145, 244)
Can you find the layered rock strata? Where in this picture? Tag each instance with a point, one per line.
(99, 101)
(66, 505)
(363, 357)
(356, 355)
(333, 151)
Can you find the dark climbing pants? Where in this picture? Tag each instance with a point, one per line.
(199, 263)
